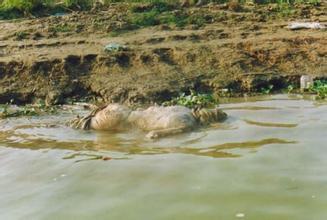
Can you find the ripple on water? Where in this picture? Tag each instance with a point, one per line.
(270, 124)
(267, 161)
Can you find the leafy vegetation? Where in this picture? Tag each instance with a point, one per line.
(21, 5)
(21, 35)
(78, 4)
(267, 90)
(8, 110)
(320, 88)
(290, 88)
(161, 12)
(10, 9)
(193, 100)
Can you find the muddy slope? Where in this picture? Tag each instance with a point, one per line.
(56, 58)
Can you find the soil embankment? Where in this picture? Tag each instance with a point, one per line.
(243, 50)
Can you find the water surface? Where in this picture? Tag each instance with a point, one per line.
(267, 161)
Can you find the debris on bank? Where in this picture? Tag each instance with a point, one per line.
(306, 82)
(305, 25)
(114, 47)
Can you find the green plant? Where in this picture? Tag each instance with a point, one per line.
(290, 88)
(285, 10)
(145, 19)
(79, 4)
(197, 20)
(20, 35)
(320, 88)
(193, 100)
(267, 90)
(158, 6)
(160, 12)
(21, 5)
(170, 18)
(9, 110)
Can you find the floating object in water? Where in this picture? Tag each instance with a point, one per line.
(240, 215)
(305, 82)
(305, 25)
(158, 121)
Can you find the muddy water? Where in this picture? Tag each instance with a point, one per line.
(267, 161)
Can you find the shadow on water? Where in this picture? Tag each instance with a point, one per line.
(50, 133)
(99, 148)
(270, 124)
(250, 108)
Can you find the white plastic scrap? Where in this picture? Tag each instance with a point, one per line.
(240, 215)
(306, 25)
(306, 81)
(114, 47)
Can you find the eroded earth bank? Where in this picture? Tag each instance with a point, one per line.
(213, 48)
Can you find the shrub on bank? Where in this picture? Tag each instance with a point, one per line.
(79, 4)
(21, 5)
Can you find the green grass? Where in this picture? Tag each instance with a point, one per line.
(319, 87)
(21, 35)
(10, 9)
(193, 100)
(21, 5)
(8, 110)
(267, 90)
(144, 12)
(78, 4)
(161, 12)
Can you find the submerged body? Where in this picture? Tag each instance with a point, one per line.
(158, 121)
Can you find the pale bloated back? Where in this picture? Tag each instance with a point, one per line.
(113, 117)
(157, 118)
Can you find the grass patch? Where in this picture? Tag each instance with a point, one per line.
(319, 87)
(177, 18)
(21, 35)
(12, 9)
(8, 110)
(21, 5)
(155, 6)
(61, 28)
(267, 90)
(78, 4)
(194, 100)
(116, 33)
(144, 12)
(151, 14)
(284, 10)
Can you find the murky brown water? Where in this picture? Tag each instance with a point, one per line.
(267, 161)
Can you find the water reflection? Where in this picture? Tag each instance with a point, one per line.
(51, 132)
(270, 124)
(250, 108)
(54, 172)
(110, 142)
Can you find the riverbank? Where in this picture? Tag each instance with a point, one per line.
(214, 48)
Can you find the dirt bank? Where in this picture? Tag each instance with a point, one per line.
(247, 50)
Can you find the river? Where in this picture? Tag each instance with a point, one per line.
(267, 161)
